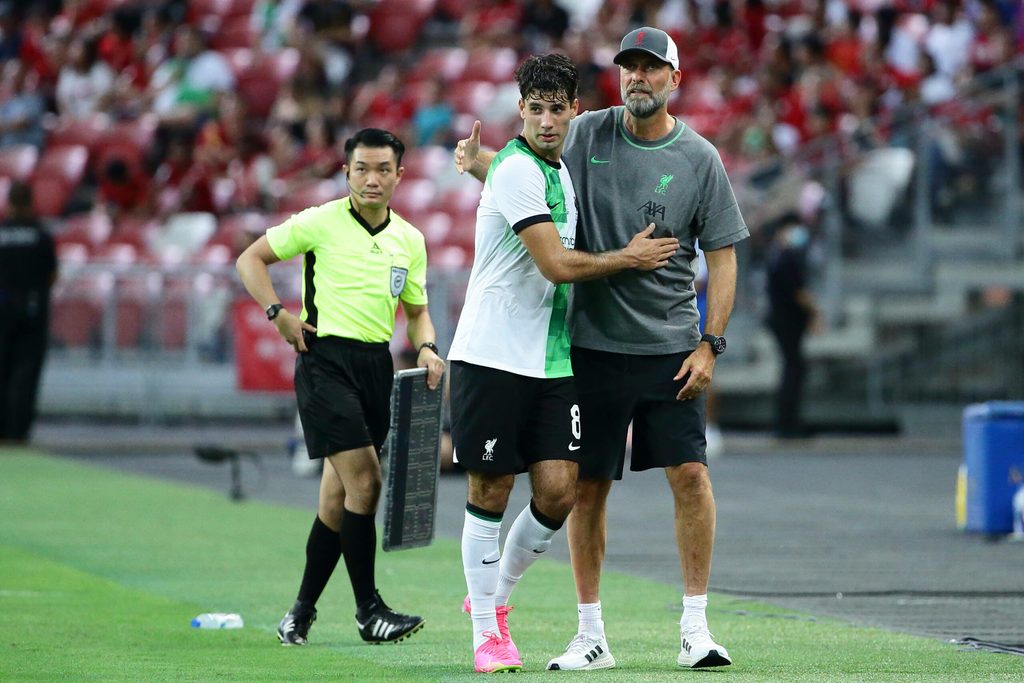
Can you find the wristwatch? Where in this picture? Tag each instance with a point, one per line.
(717, 343)
(273, 310)
(429, 345)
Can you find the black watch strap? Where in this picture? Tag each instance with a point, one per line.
(717, 343)
(273, 310)
(429, 345)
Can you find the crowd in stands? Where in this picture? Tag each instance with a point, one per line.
(128, 112)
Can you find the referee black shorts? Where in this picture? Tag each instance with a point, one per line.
(615, 389)
(343, 388)
(503, 422)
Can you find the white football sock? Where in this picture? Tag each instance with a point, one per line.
(591, 620)
(527, 540)
(480, 556)
(693, 610)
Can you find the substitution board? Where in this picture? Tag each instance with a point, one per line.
(412, 462)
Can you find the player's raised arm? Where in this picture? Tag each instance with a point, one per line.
(469, 156)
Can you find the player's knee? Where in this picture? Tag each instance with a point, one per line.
(556, 504)
(689, 478)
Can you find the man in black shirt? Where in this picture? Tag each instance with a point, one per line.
(28, 267)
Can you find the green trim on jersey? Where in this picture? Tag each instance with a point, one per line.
(556, 358)
(620, 124)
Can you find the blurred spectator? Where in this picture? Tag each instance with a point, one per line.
(949, 39)
(992, 44)
(936, 87)
(433, 119)
(28, 267)
(85, 84)
(123, 190)
(219, 140)
(327, 25)
(10, 36)
(189, 83)
(318, 156)
(184, 185)
(21, 107)
(491, 23)
(384, 103)
(791, 313)
(272, 20)
(543, 23)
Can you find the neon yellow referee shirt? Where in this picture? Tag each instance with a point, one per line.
(353, 274)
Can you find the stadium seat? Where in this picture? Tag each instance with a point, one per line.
(135, 293)
(449, 257)
(49, 195)
(435, 227)
(241, 8)
(413, 197)
(128, 141)
(471, 97)
(493, 64)
(199, 8)
(395, 24)
(258, 92)
(172, 318)
(309, 194)
(88, 229)
(63, 162)
(446, 63)
(76, 309)
(425, 162)
(116, 254)
(182, 235)
(18, 161)
(71, 255)
(86, 131)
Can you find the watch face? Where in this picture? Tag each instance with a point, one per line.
(719, 345)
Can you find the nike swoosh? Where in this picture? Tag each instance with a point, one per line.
(595, 160)
(574, 446)
(554, 206)
(491, 562)
(537, 551)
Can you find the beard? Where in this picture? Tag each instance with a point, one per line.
(645, 107)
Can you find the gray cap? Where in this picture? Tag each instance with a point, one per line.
(653, 41)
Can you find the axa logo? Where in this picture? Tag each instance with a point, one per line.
(662, 187)
(489, 448)
(652, 209)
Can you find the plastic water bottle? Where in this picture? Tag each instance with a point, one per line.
(217, 620)
(1018, 514)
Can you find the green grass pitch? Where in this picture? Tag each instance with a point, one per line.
(100, 573)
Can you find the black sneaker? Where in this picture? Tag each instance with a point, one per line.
(378, 623)
(294, 628)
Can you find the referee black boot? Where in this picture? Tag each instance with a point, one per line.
(378, 623)
(294, 628)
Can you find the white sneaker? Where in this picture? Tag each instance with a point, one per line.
(699, 650)
(586, 652)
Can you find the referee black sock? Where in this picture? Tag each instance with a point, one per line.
(322, 553)
(359, 546)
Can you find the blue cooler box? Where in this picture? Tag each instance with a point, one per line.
(994, 456)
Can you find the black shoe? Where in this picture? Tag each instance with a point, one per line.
(294, 628)
(378, 623)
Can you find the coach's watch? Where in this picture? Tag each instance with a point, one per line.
(430, 345)
(273, 310)
(717, 343)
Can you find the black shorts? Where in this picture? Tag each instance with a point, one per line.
(616, 389)
(502, 422)
(343, 388)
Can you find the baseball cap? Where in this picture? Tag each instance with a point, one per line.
(652, 41)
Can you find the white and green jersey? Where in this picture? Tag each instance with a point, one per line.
(514, 318)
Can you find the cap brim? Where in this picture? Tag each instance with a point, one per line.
(642, 49)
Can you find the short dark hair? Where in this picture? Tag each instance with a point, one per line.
(375, 137)
(550, 76)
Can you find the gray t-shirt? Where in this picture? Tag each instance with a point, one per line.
(622, 183)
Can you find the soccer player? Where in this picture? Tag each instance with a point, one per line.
(359, 260)
(514, 405)
(637, 354)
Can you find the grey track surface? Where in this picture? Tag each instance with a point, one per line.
(798, 523)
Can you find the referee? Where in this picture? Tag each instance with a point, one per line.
(359, 259)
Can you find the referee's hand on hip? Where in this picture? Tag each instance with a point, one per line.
(291, 328)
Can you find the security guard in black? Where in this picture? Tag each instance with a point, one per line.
(28, 268)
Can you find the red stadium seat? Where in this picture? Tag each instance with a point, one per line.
(446, 63)
(71, 255)
(128, 141)
(425, 162)
(307, 195)
(241, 8)
(18, 161)
(116, 254)
(87, 132)
(413, 197)
(199, 8)
(76, 311)
(135, 294)
(395, 24)
(494, 64)
(88, 229)
(258, 92)
(64, 162)
(49, 195)
(233, 32)
(471, 97)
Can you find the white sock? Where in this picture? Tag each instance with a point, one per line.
(693, 610)
(590, 618)
(527, 540)
(480, 557)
